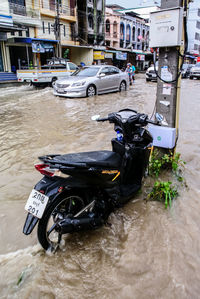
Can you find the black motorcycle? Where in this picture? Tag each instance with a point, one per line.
(80, 190)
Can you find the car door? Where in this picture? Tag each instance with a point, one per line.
(103, 83)
(114, 77)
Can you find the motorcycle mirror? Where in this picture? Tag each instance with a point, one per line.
(95, 117)
(159, 117)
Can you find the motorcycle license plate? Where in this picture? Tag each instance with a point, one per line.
(36, 203)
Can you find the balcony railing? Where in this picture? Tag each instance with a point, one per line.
(17, 9)
(68, 11)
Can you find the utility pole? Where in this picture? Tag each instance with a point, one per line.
(168, 32)
(57, 28)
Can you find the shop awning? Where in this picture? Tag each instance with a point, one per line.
(141, 52)
(28, 40)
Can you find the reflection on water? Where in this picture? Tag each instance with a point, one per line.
(147, 252)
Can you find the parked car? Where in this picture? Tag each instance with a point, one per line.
(185, 72)
(195, 71)
(92, 80)
(56, 68)
(151, 74)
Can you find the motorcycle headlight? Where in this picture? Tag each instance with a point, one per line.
(79, 83)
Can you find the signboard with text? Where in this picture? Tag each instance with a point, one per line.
(98, 55)
(121, 56)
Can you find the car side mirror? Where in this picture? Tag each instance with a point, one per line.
(102, 75)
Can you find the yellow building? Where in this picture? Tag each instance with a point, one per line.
(40, 38)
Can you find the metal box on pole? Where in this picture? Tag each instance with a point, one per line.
(166, 28)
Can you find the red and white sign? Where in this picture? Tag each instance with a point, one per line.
(198, 59)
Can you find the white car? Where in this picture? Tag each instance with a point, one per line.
(151, 74)
(92, 80)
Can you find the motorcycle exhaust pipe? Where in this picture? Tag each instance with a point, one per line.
(74, 225)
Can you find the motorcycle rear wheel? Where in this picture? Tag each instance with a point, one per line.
(69, 204)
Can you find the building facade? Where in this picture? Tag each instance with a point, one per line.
(112, 28)
(37, 38)
(193, 28)
(91, 29)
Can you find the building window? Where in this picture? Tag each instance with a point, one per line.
(198, 25)
(115, 29)
(133, 34)
(43, 28)
(17, 7)
(49, 28)
(99, 25)
(138, 35)
(122, 31)
(52, 5)
(196, 47)
(90, 22)
(197, 36)
(64, 30)
(20, 33)
(108, 27)
(27, 32)
(198, 12)
(128, 33)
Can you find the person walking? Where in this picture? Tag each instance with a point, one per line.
(133, 72)
(130, 69)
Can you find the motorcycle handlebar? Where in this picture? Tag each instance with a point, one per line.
(102, 119)
(153, 122)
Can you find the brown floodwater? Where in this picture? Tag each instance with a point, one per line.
(148, 252)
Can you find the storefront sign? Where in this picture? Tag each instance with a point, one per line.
(140, 57)
(41, 47)
(121, 56)
(109, 55)
(37, 47)
(98, 55)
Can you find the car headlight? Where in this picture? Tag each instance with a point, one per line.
(79, 83)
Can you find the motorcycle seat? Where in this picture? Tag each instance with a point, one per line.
(96, 158)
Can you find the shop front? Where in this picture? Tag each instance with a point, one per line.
(28, 52)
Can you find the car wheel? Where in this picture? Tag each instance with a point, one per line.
(91, 91)
(122, 86)
(147, 80)
(191, 77)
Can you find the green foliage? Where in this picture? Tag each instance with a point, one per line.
(168, 161)
(21, 278)
(66, 53)
(163, 192)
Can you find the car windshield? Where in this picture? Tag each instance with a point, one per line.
(86, 72)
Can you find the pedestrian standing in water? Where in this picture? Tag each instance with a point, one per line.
(129, 71)
(133, 72)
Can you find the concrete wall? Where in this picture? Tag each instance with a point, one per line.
(81, 55)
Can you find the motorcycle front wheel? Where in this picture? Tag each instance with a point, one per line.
(66, 205)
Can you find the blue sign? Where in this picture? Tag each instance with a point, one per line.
(121, 56)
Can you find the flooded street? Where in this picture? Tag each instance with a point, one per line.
(148, 252)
